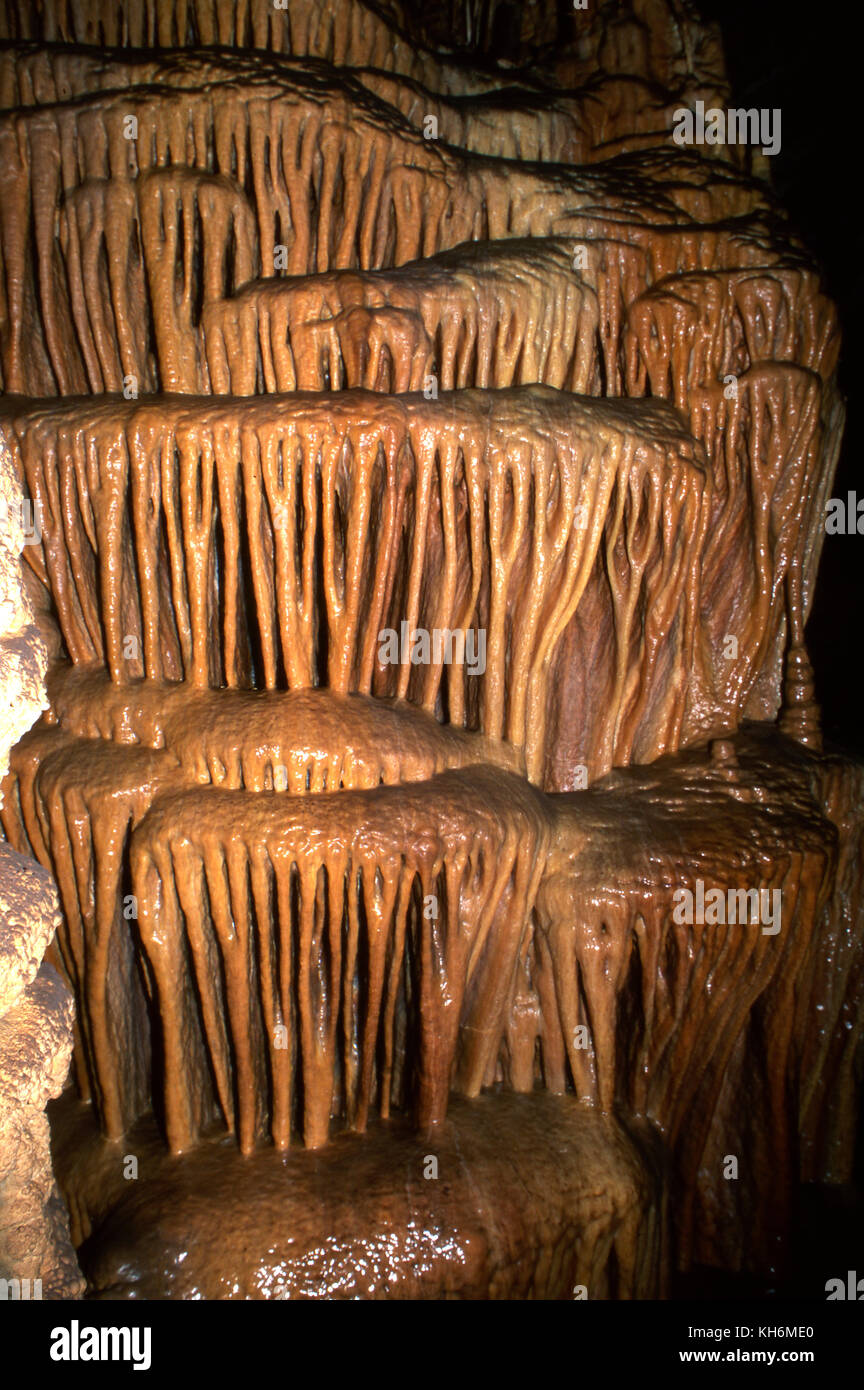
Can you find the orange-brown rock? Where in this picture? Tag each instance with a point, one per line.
(431, 459)
(601, 502)
(534, 1198)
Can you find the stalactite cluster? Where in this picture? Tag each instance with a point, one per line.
(330, 514)
(431, 468)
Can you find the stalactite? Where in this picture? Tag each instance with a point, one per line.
(404, 487)
(609, 116)
(468, 878)
(830, 1015)
(72, 803)
(431, 471)
(767, 440)
(353, 33)
(661, 43)
(336, 183)
(295, 741)
(429, 886)
(484, 315)
(616, 987)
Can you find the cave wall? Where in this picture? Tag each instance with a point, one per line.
(281, 372)
(36, 1007)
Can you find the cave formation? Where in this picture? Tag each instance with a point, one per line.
(328, 322)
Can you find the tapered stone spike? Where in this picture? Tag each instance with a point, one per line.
(800, 717)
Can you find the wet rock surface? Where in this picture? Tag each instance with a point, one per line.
(531, 1197)
(331, 346)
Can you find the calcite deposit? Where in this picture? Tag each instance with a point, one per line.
(431, 459)
(36, 1008)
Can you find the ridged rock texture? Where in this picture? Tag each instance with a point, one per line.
(431, 460)
(36, 1008)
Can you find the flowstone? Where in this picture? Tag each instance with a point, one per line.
(431, 460)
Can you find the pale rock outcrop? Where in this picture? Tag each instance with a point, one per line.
(36, 1008)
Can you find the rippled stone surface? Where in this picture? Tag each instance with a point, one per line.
(534, 1196)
